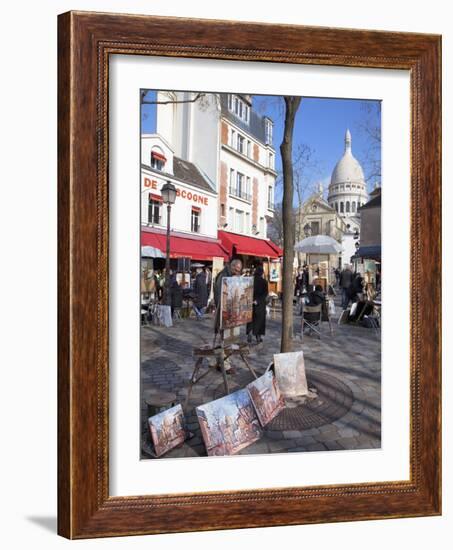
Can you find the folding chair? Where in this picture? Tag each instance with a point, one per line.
(311, 317)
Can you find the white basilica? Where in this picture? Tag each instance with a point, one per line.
(338, 216)
(347, 192)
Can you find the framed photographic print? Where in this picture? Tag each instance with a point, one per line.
(291, 176)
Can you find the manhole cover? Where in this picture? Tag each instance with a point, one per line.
(333, 401)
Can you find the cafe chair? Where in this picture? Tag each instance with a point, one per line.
(311, 318)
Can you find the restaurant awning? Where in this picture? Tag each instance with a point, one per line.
(372, 252)
(184, 247)
(249, 246)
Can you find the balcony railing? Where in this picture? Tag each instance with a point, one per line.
(240, 194)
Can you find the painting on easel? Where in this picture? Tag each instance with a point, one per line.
(229, 424)
(236, 302)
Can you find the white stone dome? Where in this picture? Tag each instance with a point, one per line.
(347, 169)
(347, 189)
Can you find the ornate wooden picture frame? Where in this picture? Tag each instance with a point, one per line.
(85, 508)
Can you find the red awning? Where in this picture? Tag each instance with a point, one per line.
(249, 246)
(182, 247)
(158, 156)
(154, 197)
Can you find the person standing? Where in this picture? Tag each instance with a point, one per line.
(200, 294)
(337, 276)
(345, 285)
(260, 291)
(298, 287)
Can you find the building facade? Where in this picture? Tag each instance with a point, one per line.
(194, 213)
(216, 147)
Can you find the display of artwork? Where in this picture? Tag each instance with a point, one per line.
(236, 301)
(290, 373)
(167, 430)
(266, 397)
(229, 424)
(274, 273)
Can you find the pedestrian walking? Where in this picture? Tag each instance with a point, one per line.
(345, 285)
(260, 292)
(337, 276)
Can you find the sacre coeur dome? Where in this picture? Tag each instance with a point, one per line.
(347, 169)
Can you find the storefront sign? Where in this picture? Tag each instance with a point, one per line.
(183, 193)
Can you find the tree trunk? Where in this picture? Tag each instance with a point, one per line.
(286, 148)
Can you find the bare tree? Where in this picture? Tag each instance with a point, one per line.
(286, 148)
(370, 126)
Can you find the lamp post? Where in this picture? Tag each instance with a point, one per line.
(307, 233)
(168, 193)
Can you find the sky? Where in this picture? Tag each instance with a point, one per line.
(321, 124)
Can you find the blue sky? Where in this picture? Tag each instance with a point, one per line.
(321, 124)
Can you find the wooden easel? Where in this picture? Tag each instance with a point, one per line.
(221, 352)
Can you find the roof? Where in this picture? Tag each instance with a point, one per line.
(186, 172)
(256, 126)
(373, 203)
(249, 246)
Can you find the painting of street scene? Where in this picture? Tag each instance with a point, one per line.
(263, 323)
(290, 373)
(167, 429)
(229, 424)
(266, 397)
(237, 301)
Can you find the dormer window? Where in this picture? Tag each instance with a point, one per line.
(158, 160)
(239, 107)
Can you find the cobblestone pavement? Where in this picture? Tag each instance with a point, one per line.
(343, 372)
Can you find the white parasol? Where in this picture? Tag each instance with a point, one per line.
(318, 244)
(151, 252)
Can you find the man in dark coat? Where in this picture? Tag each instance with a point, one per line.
(200, 290)
(234, 269)
(345, 285)
(260, 292)
(175, 293)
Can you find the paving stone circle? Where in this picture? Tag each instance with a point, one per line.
(334, 400)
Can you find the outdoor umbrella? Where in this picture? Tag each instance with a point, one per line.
(319, 244)
(151, 252)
